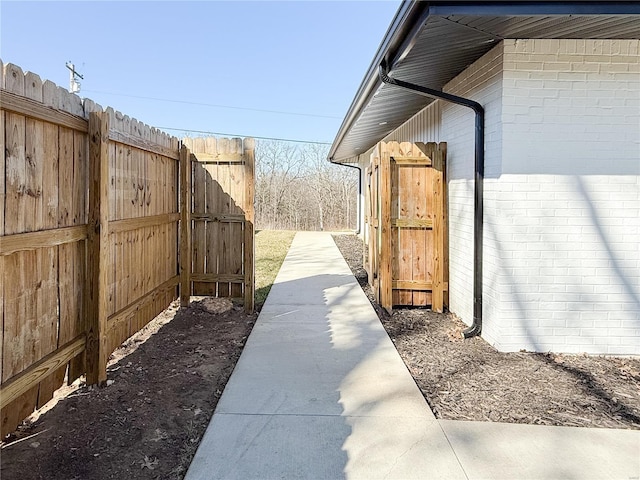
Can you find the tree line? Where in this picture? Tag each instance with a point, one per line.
(296, 188)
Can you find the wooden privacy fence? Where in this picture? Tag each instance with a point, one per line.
(222, 215)
(405, 211)
(95, 234)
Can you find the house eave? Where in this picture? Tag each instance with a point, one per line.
(431, 42)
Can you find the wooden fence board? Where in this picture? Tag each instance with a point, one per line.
(15, 102)
(249, 247)
(41, 239)
(45, 291)
(3, 199)
(20, 317)
(386, 260)
(185, 225)
(71, 257)
(40, 370)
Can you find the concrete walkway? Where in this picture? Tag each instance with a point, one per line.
(321, 393)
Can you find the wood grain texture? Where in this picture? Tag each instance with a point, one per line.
(41, 239)
(2, 207)
(12, 101)
(249, 233)
(45, 233)
(144, 144)
(129, 224)
(407, 221)
(98, 238)
(40, 370)
(386, 261)
(185, 226)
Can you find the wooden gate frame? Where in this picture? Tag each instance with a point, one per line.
(382, 226)
(223, 152)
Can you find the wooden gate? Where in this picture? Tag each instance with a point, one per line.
(406, 215)
(222, 216)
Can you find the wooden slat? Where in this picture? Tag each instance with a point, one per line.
(20, 335)
(249, 248)
(185, 226)
(416, 285)
(218, 217)
(385, 277)
(198, 237)
(98, 248)
(25, 380)
(45, 238)
(143, 144)
(223, 203)
(412, 285)
(236, 191)
(217, 278)
(15, 141)
(437, 301)
(442, 146)
(15, 103)
(129, 224)
(412, 161)
(115, 321)
(2, 206)
(219, 158)
(71, 256)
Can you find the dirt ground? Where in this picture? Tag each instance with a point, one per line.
(163, 386)
(165, 382)
(470, 380)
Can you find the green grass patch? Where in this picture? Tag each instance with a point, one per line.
(271, 248)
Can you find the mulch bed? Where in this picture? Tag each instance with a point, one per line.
(470, 380)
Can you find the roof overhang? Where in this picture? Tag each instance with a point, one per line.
(430, 43)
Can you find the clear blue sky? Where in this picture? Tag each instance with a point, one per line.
(297, 56)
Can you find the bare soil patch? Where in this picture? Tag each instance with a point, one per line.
(163, 386)
(470, 380)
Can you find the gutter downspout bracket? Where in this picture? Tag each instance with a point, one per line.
(476, 326)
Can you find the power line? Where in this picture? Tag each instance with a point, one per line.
(238, 135)
(232, 107)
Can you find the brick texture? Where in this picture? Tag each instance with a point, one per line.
(562, 194)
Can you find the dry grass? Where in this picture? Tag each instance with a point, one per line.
(271, 248)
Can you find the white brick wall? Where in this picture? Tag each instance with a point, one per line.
(482, 82)
(569, 197)
(562, 194)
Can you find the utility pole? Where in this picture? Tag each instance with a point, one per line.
(74, 84)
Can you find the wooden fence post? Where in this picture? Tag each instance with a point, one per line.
(249, 257)
(437, 299)
(98, 248)
(185, 226)
(386, 254)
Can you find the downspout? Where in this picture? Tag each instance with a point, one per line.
(358, 211)
(476, 326)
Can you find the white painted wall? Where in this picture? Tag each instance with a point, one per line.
(568, 209)
(562, 194)
(481, 82)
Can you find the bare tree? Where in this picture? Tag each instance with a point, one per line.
(298, 189)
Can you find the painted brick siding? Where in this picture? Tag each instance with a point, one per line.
(561, 193)
(482, 82)
(567, 201)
